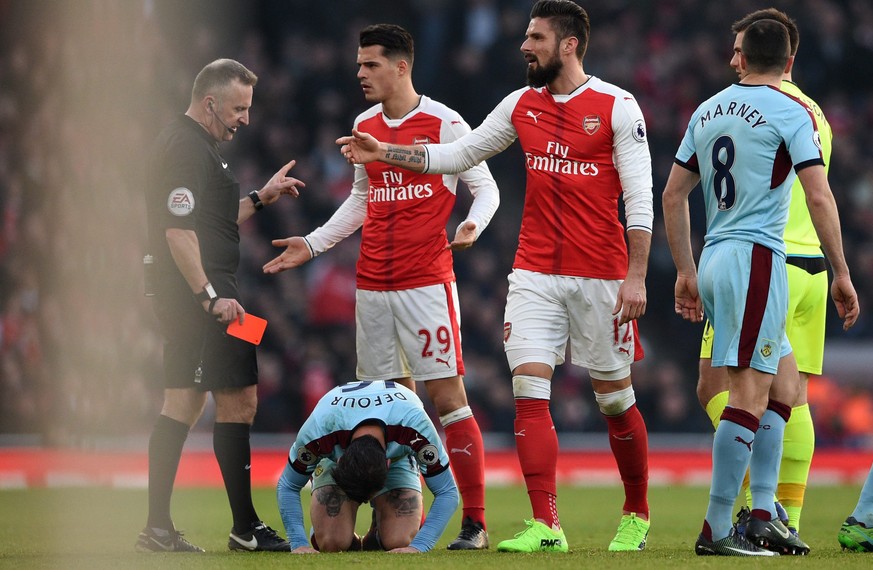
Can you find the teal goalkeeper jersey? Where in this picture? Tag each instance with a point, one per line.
(747, 143)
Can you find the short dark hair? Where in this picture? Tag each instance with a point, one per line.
(743, 23)
(396, 42)
(766, 46)
(567, 19)
(218, 75)
(362, 469)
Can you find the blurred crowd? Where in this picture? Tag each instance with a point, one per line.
(86, 84)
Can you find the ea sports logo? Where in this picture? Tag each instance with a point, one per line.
(180, 202)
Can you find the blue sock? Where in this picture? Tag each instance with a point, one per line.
(764, 465)
(864, 509)
(731, 452)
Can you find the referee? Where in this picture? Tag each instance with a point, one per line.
(194, 211)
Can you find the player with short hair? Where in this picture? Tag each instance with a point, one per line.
(367, 441)
(575, 279)
(741, 145)
(194, 212)
(406, 309)
(807, 308)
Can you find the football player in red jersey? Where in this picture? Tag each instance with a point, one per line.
(407, 313)
(578, 275)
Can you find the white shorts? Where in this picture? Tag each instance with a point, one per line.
(414, 333)
(544, 311)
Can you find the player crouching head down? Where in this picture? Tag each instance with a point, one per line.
(367, 442)
(362, 469)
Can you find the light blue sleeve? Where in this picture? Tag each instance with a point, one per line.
(445, 502)
(804, 143)
(687, 148)
(288, 496)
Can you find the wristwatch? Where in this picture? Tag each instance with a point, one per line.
(207, 294)
(256, 200)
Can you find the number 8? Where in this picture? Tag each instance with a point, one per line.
(724, 187)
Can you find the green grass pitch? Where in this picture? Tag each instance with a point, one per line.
(96, 528)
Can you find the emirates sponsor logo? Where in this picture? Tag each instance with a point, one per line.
(394, 189)
(558, 165)
(400, 193)
(555, 160)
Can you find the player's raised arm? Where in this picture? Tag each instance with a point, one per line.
(363, 148)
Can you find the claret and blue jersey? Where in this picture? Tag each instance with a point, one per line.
(409, 436)
(746, 180)
(408, 429)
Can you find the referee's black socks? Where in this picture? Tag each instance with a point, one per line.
(233, 453)
(165, 450)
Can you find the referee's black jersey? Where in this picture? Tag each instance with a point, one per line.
(190, 186)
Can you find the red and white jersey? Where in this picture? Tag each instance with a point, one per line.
(404, 213)
(582, 151)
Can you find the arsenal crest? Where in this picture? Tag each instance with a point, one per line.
(591, 124)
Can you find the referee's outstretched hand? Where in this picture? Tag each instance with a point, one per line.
(281, 184)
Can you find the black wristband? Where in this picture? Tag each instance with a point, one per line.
(212, 302)
(206, 294)
(256, 200)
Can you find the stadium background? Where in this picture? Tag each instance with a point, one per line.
(86, 84)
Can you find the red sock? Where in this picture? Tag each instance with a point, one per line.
(537, 445)
(629, 441)
(467, 457)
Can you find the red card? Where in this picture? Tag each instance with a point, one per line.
(251, 330)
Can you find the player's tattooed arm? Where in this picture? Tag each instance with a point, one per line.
(332, 499)
(401, 155)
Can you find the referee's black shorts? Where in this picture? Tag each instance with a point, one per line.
(192, 340)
